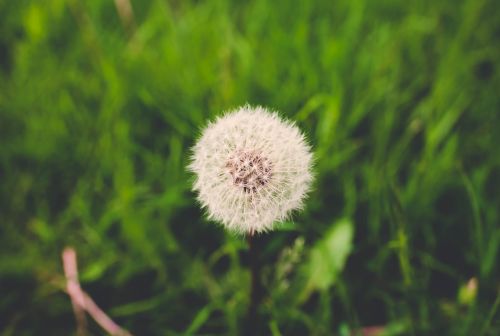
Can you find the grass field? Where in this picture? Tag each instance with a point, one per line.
(400, 101)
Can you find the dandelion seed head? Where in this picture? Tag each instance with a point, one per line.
(252, 169)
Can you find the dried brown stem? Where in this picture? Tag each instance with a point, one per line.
(126, 14)
(73, 287)
(82, 302)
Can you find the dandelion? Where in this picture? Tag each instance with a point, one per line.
(252, 169)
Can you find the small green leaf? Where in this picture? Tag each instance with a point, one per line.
(200, 318)
(328, 257)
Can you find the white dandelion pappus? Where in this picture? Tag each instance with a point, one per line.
(252, 169)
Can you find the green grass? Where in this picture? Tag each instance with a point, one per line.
(400, 101)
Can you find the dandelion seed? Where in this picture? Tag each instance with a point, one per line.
(252, 169)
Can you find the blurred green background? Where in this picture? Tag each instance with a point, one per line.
(99, 105)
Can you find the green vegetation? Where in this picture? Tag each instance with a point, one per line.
(400, 101)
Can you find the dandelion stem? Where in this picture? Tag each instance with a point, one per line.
(256, 289)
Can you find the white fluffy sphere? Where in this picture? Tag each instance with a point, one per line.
(252, 169)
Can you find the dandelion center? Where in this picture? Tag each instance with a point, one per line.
(249, 170)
